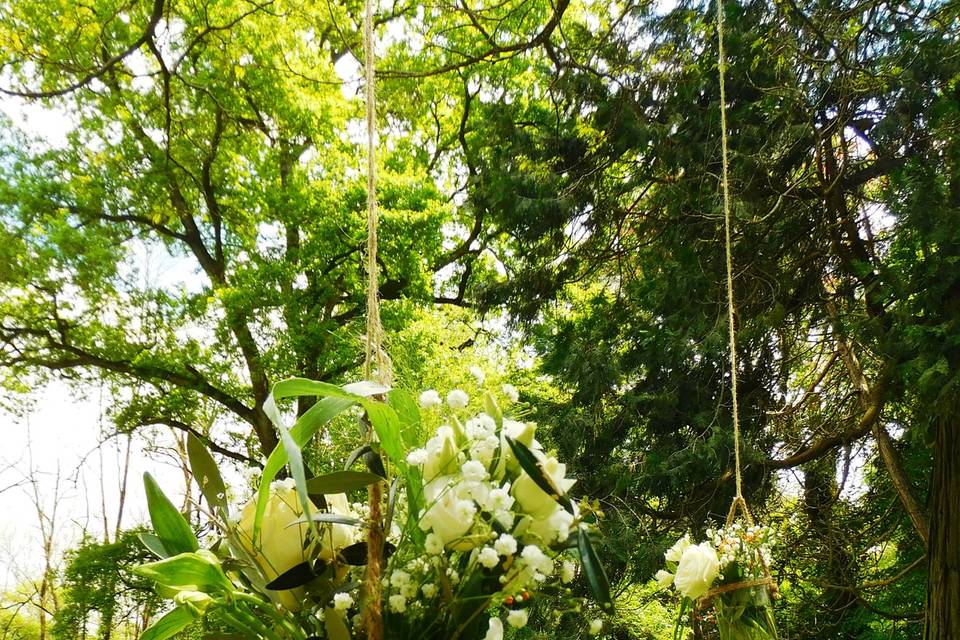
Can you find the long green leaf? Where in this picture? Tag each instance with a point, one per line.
(341, 482)
(294, 455)
(596, 576)
(207, 474)
(408, 414)
(154, 544)
(168, 523)
(172, 623)
(190, 571)
(303, 429)
(387, 425)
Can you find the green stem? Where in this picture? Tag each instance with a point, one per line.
(279, 618)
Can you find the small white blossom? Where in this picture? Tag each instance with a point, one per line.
(568, 571)
(398, 604)
(596, 626)
(417, 457)
(518, 618)
(488, 557)
(499, 498)
(457, 399)
(506, 545)
(429, 399)
(511, 392)
(560, 522)
(478, 373)
(433, 544)
(429, 590)
(399, 579)
(342, 601)
(474, 471)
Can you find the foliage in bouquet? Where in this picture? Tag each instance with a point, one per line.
(729, 571)
(479, 526)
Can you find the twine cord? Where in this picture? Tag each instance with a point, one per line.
(731, 313)
(376, 363)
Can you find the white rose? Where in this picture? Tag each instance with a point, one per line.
(673, 553)
(448, 516)
(522, 432)
(281, 542)
(698, 568)
(534, 500)
(494, 630)
(664, 578)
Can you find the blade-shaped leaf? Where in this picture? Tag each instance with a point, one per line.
(408, 413)
(294, 455)
(168, 523)
(303, 429)
(596, 576)
(356, 554)
(191, 571)
(532, 466)
(328, 518)
(387, 425)
(207, 474)
(366, 388)
(341, 482)
(172, 623)
(153, 544)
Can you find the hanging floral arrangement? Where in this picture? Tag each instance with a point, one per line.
(479, 528)
(728, 571)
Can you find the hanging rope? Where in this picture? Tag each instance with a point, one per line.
(376, 363)
(738, 500)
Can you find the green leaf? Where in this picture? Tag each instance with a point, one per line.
(172, 623)
(329, 518)
(153, 544)
(168, 523)
(187, 571)
(207, 475)
(408, 414)
(593, 569)
(387, 425)
(531, 465)
(303, 429)
(341, 482)
(294, 455)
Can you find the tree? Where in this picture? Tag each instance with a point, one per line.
(598, 176)
(216, 139)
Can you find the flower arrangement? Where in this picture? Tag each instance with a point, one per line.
(730, 572)
(479, 527)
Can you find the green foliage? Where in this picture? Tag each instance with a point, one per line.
(98, 582)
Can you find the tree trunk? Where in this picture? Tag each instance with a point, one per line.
(943, 586)
(834, 567)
